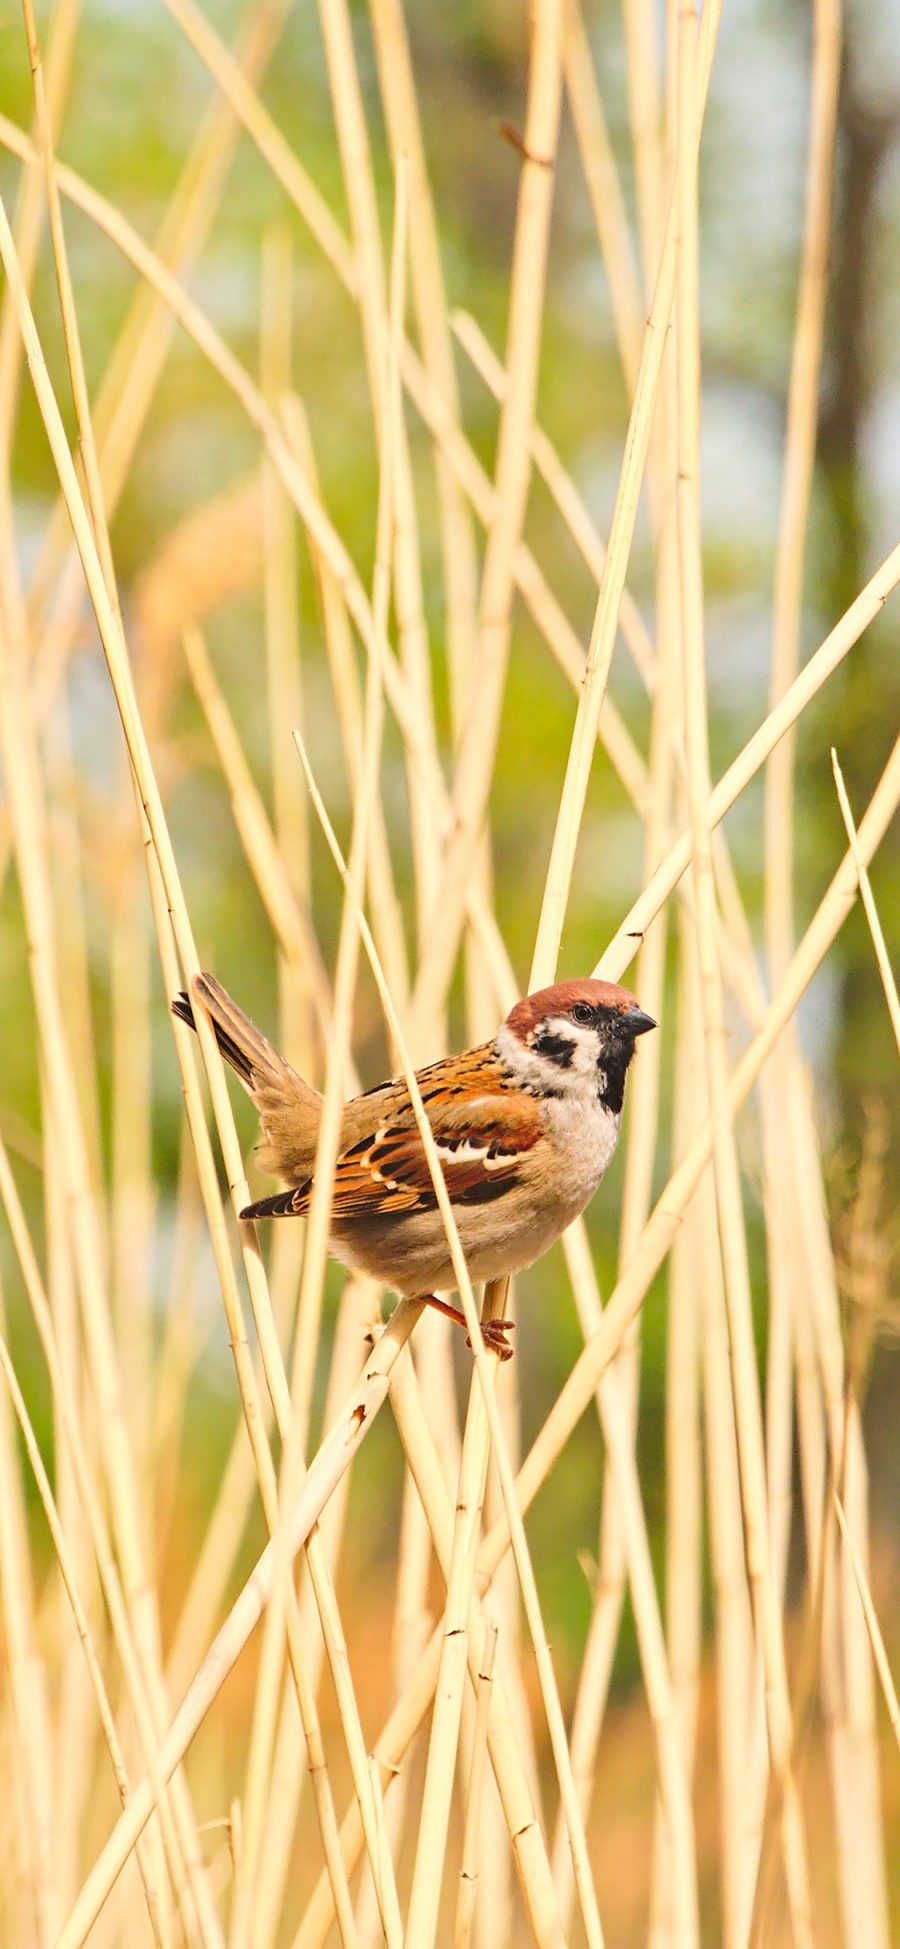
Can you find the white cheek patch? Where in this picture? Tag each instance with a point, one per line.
(540, 1072)
(583, 1041)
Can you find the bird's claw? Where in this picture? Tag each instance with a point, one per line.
(494, 1334)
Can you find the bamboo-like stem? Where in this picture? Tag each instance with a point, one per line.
(312, 1281)
(799, 457)
(612, 584)
(513, 1786)
(425, 1892)
(287, 1765)
(477, 750)
(83, 1628)
(467, 1892)
(133, 370)
(616, 1408)
(333, 1459)
(865, 607)
(872, 1625)
(404, 544)
(604, 190)
(37, 1908)
(387, 919)
(888, 979)
(126, 1636)
(31, 208)
(291, 922)
(732, 1238)
(576, 515)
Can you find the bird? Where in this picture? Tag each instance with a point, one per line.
(525, 1126)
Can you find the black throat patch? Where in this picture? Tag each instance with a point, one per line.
(612, 1070)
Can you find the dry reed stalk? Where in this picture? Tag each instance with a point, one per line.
(73, 868)
(132, 1212)
(684, 1522)
(31, 210)
(353, 1327)
(214, 1565)
(177, 1844)
(477, 748)
(526, 1840)
(387, 919)
(388, 1751)
(469, 1867)
(284, 686)
(333, 1459)
(312, 1282)
(622, 1541)
(70, 858)
(571, 506)
(876, 930)
(799, 457)
(798, 468)
(158, 1924)
(847, 631)
(603, 631)
(604, 189)
(425, 1890)
(616, 1409)
(748, 1419)
(291, 922)
(398, 93)
(644, 94)
(872, 1625)
(424, 813)
(848, 1680)
(32, 1867)
(371, 299)
(531, 582)
(696, 1258)
(135, 365)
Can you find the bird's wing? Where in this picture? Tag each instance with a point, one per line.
(482, 1131)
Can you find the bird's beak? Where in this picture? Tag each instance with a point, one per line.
(638, 1022)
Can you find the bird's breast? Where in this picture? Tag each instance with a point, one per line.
(582, 1137)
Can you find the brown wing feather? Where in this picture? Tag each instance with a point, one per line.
(481, 1131)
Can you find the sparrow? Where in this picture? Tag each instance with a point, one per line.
(525, 1126)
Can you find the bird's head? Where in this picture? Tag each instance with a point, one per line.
(576, 1034)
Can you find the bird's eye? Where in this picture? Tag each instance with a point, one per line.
(582, 1012)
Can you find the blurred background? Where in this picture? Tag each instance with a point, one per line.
(187, 535)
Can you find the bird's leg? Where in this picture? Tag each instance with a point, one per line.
(494, 1331)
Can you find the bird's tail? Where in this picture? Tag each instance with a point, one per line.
(250, 1053)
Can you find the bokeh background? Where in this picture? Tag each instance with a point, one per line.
(187, 537)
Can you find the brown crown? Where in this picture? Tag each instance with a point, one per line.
(560, 999)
